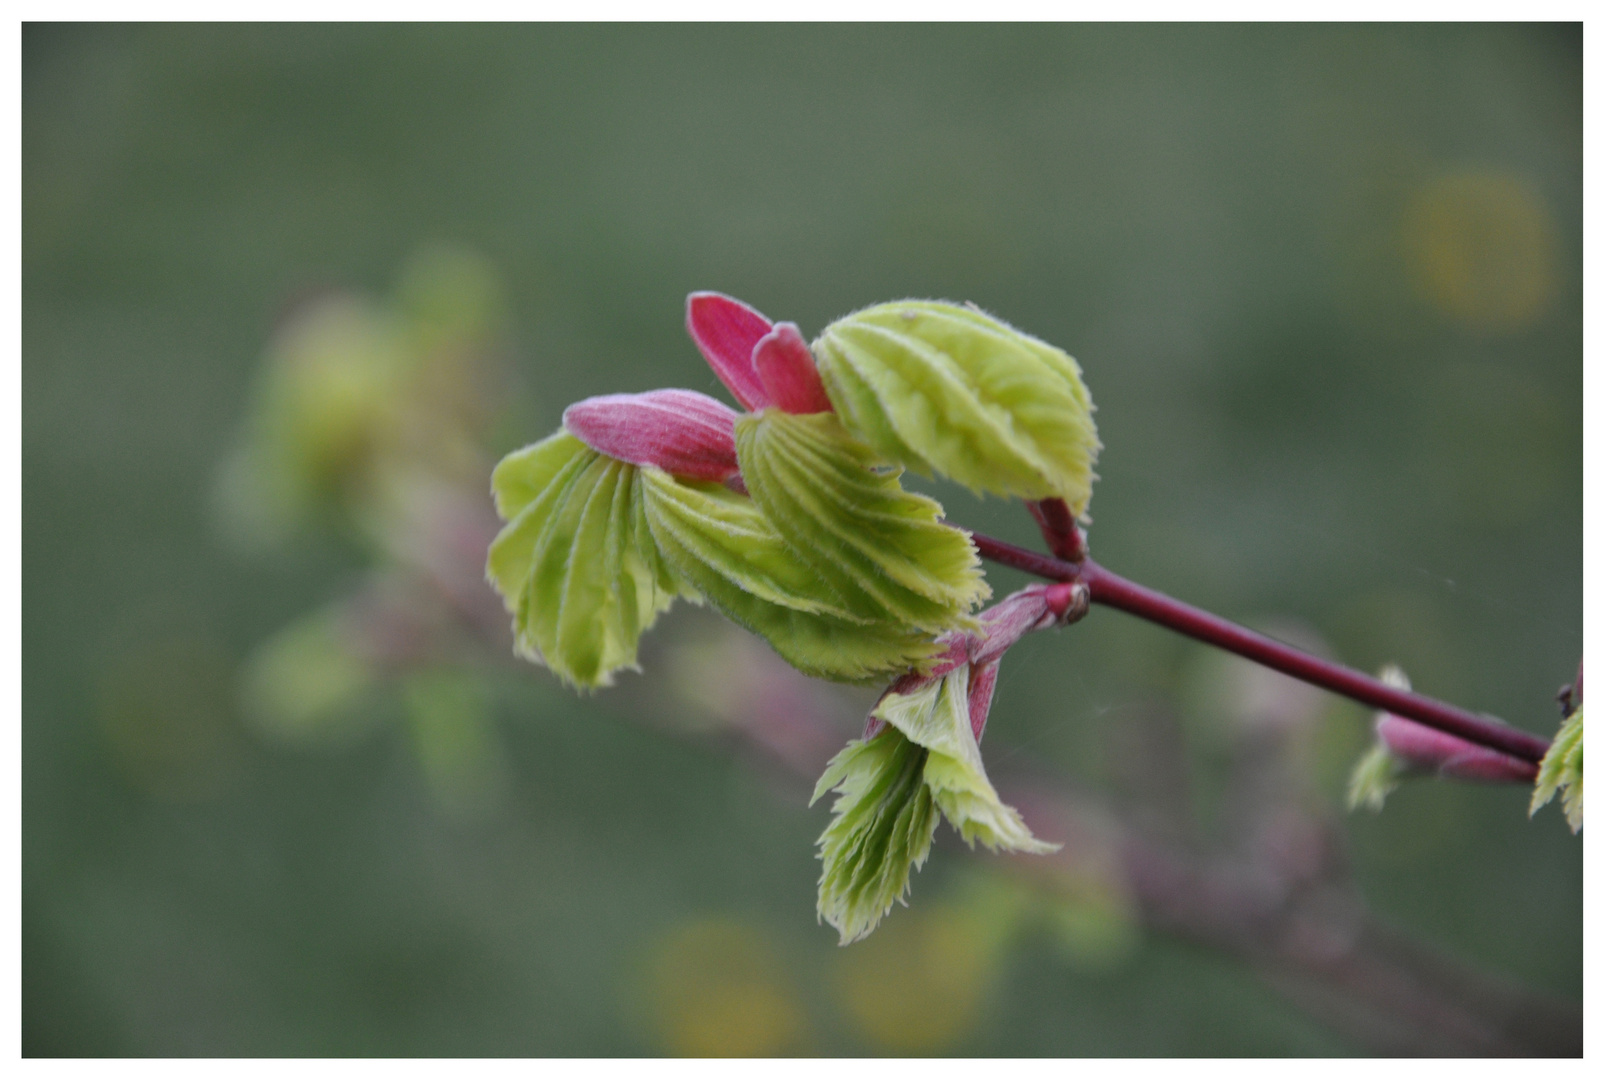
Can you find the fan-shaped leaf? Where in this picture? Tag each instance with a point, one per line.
(883, 550)
(949, 390)
(724, 545)
(576, 565)
(521, 476)
(884, 819)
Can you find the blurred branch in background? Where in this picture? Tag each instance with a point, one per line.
(1272, 885)
(374, 422)
(370, 421)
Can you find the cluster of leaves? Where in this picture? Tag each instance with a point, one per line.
(922, 756)
(791, 519)
(357, 396)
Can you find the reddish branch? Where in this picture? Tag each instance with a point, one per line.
(1114, 591)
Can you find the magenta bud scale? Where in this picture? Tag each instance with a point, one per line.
(1429, 750)
(762, 363)
(682, 432)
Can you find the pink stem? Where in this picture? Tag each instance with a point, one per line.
(1059, 529)
(1115, 591)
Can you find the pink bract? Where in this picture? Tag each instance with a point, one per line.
(762, 363)
(726, 331)
(1447, 755)
(680, 431)
(786, 369)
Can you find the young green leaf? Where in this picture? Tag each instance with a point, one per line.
(576, 565)
(1562, 771)
(521, 476)
(883, 820)
(883, 550)
(926, 759)
(721, 543)
(937, 716)
(950, 390)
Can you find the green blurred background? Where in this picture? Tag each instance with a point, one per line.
(1326, 287)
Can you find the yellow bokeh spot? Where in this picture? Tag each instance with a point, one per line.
(1091, 918)
(917, 985)
(1482, 250)
(716, 989)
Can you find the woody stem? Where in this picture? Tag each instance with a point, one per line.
(1110, 589)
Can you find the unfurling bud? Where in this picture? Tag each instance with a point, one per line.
(786, 369)
(1419, 748)
(762, 363)
(1405, 747)
(1430, 750)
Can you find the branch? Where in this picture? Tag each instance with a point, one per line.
(1112, 590)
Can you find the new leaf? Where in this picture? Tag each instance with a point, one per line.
(576, 565)
(724, 545)
(884, 550)
(890, 788)
(952, 391)
(1562, 771)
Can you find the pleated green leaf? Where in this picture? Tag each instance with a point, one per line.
(576, 564)
(951, 391)
(1562, 771)
(521, 476)
(883, 550)
(890, 789)
(724, 546)
(884, 819)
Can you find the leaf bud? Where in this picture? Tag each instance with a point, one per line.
(726, 331)
(786, 368)
(680, 431)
